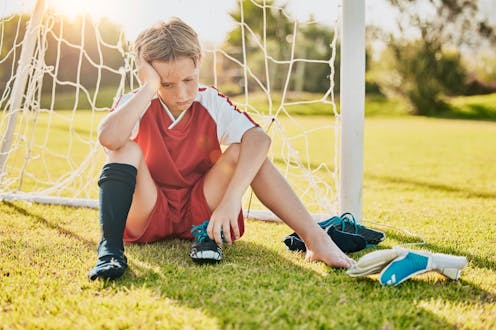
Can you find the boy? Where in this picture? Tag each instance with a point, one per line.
(166, 172)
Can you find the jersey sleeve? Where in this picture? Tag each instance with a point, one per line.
(231, 122)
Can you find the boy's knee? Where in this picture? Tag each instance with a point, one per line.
(130, 154)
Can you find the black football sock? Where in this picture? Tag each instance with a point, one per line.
(117, 183)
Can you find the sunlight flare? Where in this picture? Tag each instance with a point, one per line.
(74, 8)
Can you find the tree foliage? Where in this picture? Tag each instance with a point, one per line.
(12, 32)
(426, 73)
(75, 50)
(428, 67)
(82, 33)
(267, 25)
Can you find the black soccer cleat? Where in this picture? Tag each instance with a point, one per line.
(204, 249)
(347, 242)
(108, 267)
(347, 223)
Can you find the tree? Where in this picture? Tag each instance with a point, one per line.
(426, 73)
(69, 44)
(428, 67)
(85, 41)
(313, 41)
(12, 31)
(277, 28)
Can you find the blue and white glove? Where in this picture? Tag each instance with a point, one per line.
(396, 265)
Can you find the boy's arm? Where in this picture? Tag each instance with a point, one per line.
(116, 127)
(253, 152)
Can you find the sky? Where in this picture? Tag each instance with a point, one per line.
(209, 18)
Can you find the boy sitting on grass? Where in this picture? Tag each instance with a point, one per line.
(166, 172)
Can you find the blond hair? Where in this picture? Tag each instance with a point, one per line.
(168, 40)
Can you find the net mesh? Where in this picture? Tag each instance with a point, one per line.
(79, 65)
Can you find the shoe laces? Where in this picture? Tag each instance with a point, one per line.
(200, 232)
(348, 219)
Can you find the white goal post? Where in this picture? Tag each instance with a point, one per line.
(352, 107)
(348, 122)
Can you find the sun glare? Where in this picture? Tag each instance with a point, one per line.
(74, 8)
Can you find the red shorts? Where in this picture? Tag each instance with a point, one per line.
(162, 223)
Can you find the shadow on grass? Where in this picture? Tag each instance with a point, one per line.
(469, 112)
(416, 183)
(475, 260)
(432, 186)
(260, 287)
(61, 230)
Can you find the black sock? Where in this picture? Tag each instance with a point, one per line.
(117, 183)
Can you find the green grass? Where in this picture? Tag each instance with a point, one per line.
(67, 99)
(432, 178)
(376, 106)
(49, 146)
(481, 107)
(478, 107)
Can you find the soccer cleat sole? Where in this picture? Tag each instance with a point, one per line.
(206, 257)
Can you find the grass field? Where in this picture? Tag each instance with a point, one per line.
(424, 179)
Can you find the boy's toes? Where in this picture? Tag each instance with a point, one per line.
(338, 260)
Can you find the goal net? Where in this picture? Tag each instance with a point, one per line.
(60, 75)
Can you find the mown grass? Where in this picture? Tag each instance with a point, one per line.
(49, 147)
(478, 107)
(424, 179)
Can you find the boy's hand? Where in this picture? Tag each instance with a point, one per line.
(147, 74)
(225, 218)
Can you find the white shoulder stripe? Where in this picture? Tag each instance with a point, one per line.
(231, 123)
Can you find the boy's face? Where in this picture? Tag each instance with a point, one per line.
(178, 83)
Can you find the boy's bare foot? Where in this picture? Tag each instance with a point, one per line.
(322, 248)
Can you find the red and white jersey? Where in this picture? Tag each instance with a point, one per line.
(178, 152)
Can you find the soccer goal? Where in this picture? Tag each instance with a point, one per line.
(59, 77)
